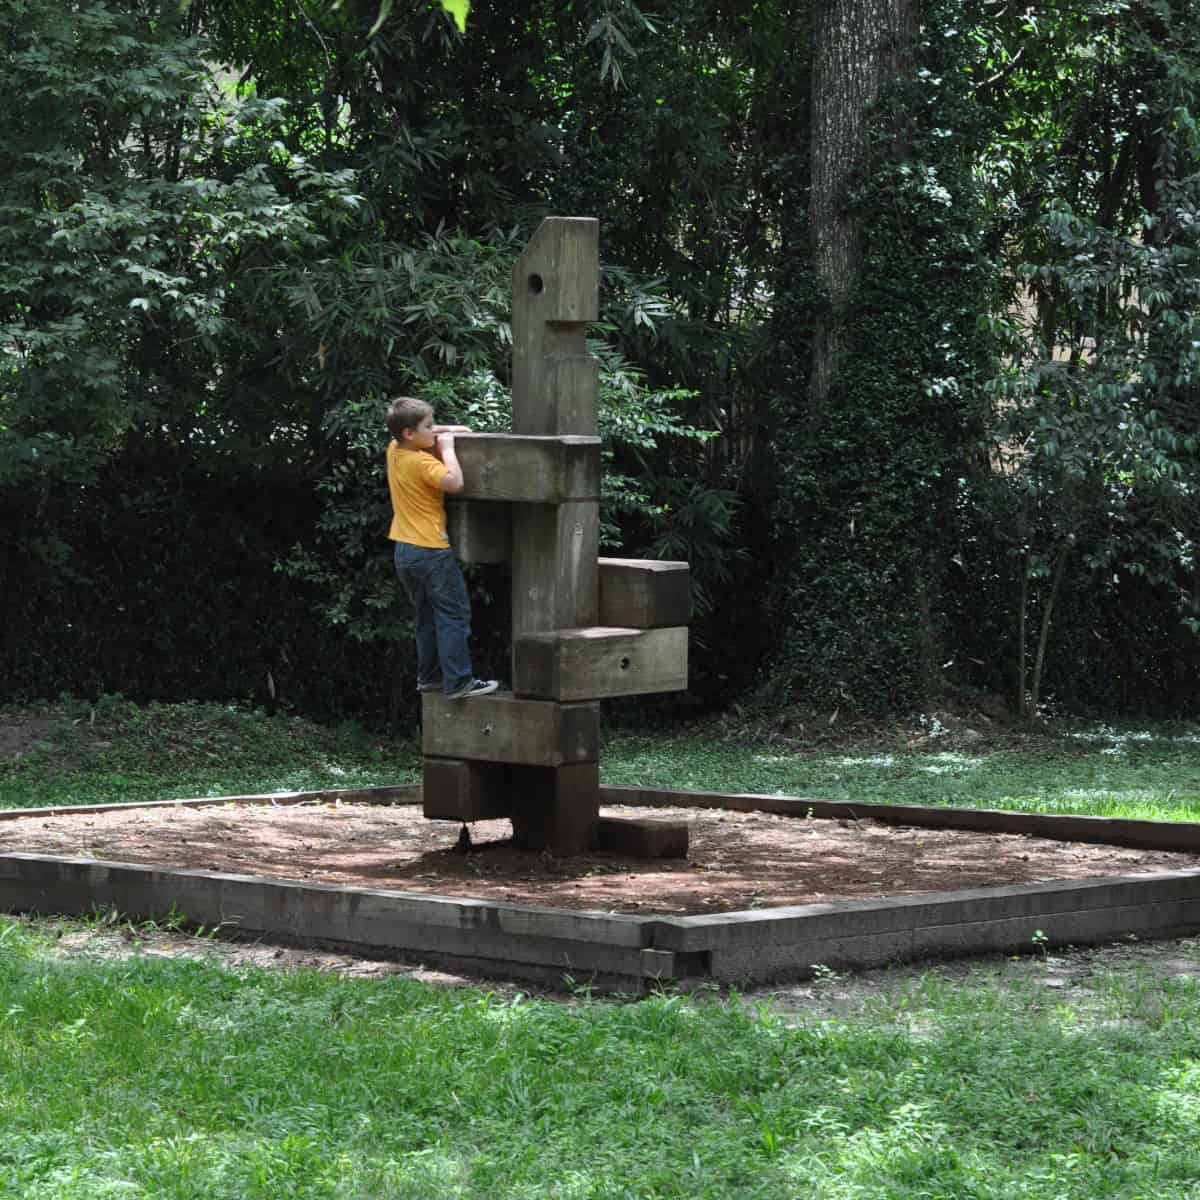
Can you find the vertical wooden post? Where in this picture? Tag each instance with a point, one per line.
(556, 292)
(555, 547)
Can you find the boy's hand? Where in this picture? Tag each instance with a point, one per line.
(452, 481)
(451, 429)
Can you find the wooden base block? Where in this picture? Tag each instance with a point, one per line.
(454, 789)
(597, 663)
(647, 838)
(556, 808)
(502, 729)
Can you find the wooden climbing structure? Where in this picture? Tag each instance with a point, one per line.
(585, 628)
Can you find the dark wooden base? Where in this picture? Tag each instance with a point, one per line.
(552, 808)
(457, 789)
(643, 838)
(556, 808)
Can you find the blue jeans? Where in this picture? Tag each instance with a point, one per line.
(434, 583)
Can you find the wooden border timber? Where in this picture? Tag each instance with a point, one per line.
(1109, 831)
(405, 793)
(616, 952)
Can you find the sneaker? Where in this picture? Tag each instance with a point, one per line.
(430, 687)
(477, 687)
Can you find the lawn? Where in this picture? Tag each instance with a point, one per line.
(186, 1080)
(74, 752)
(1149, 773)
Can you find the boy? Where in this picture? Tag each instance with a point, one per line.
(427, 567)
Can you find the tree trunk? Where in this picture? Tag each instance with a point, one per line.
(1035, 688)
(860, 46)
(1022, 626)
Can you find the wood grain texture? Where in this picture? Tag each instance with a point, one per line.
(503, 729)
(600, 662)
(643, 593)
(555, 294)
(532, 470)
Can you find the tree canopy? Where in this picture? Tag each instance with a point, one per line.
(959, 457)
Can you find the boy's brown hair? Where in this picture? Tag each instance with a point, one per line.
(406, 412)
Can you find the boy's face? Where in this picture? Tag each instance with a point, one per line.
(421, 436)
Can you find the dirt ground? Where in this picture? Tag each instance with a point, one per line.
(736, 860)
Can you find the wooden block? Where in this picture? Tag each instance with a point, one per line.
(454, 789)
(643, 593)
(502, 729)
(572, 385)
(555, 293)
(554, 566)
(480, 531)
(642, 838)
(595, 663)
(556, 808)
(532, 470)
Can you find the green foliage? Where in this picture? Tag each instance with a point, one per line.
(1106, 434)
(128, 228)
(1093, 450)
(866, 508)
(211, 276)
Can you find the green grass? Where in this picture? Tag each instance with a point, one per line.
(117, 751)
(1098, 771)
(185, 1080)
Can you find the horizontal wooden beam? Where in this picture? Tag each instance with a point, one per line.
(535, 470)
(644, 593)
(600, 662)
(502, 729)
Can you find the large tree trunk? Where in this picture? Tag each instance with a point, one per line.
(860, 45)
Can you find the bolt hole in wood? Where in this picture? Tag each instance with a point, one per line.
(536, 286)
(624, 664)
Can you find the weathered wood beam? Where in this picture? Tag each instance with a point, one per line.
(556, 808)
(534, 470)
(480, 531)
(600, 662)
(642, 837)
(503, 729)
(555, 294)
(454, 789)
(643, 593)
(554, 566)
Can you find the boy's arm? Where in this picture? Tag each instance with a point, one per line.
(451, 429)
(452, 481)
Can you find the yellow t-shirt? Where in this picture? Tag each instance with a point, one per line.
(418, 507)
